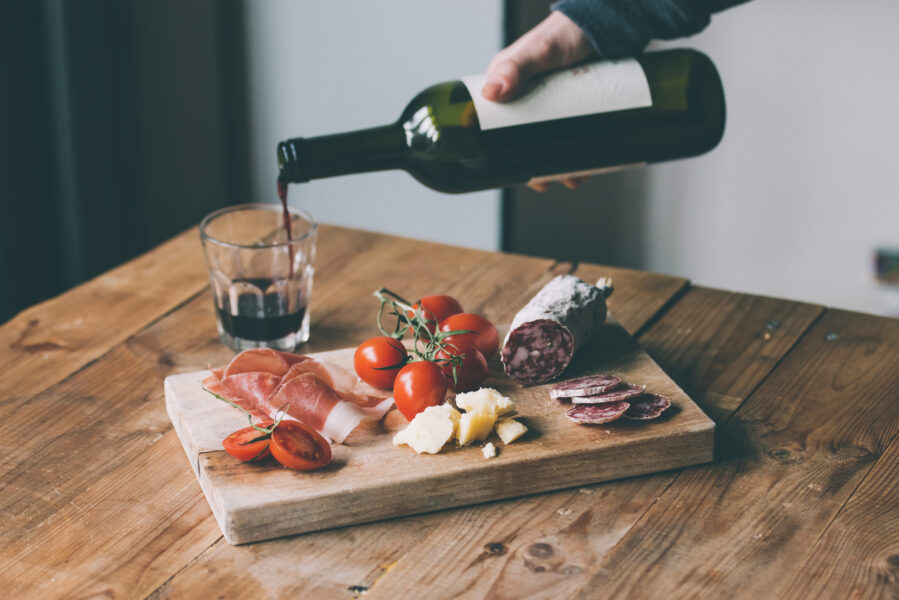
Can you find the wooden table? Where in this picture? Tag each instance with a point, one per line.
(98, 499)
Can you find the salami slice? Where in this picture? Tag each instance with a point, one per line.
(591, 414)
(649, 406)
(625, 391)
(585, 386)
(547, 332)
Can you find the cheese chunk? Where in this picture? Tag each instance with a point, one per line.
(429, 430)
(489, 450)
(454, 415)
(510, 430)
(486, 401)
(474, 426)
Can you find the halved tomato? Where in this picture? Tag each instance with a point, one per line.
(298, 446)
(248, 444)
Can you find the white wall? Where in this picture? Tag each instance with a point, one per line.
(805, 184)
(323, 67)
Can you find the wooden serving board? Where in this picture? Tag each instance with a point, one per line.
(370, 479)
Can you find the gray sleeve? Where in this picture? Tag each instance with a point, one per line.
(620, 28)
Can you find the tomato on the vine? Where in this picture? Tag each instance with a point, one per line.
(298, 446)
(470, 373)
(484, 337)
(419, 385)
(378, 360)
(249, 444)
(436, 309)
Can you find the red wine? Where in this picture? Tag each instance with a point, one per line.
(260, 316)
(282, 195)
(261, 330)
(575, 122)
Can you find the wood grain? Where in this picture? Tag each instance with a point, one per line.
(572, 531)
(369, 479)
(859, 552)
(49, 341)
(638, 296)
(790, 458)
(94, 501)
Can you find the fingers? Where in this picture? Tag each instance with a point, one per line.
(572, 183)
(554, 43)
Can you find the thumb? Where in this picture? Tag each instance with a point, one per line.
(554, 43)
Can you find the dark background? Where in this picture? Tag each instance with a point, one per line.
(121, 124)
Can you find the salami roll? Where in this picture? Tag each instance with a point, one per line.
(584, 386)
(625, 391)
(647, 407)
(592, 414)
(547, 332)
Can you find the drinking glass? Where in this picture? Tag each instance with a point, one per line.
(261, 280)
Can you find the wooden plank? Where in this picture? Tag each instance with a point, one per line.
(638, 296)
(94, 500)
(703, 340)
(491, 548)
(551, 544)
(858, 555)
(369, 479)
(48, 342)
(790, 458)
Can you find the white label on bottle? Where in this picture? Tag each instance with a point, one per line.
(585, 173)
(584, 90)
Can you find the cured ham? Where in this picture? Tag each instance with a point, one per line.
(324, 396)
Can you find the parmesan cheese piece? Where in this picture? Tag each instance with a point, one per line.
(429, 430)
(454, 415)
(510, 430)
(489, 450)
(474, 426)
(486, 401)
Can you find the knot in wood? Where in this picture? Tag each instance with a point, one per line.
(495, 548)
(540, 550)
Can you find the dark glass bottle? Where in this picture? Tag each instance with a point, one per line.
(439, 140)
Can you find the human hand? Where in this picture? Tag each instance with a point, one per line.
(554, 43)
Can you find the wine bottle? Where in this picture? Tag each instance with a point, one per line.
(579, 121)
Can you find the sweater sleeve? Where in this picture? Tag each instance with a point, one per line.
(619, 28)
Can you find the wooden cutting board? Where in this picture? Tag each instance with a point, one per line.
(370, 479)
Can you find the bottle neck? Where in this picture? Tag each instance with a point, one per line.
(375, 149)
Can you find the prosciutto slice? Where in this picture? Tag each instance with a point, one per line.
(325, 396)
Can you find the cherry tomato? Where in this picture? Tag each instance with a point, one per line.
(437, 308)
(372, 356)
(248, 444)
(470, 373)
(419, 385)
(298, 446)
(485, 337)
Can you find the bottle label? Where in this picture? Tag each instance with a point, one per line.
(583, 90)
(585, 173)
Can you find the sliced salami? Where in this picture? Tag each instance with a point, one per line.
(584, 386)
(591, 414)
(625, 391)
(547, 332)
(649, 406)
